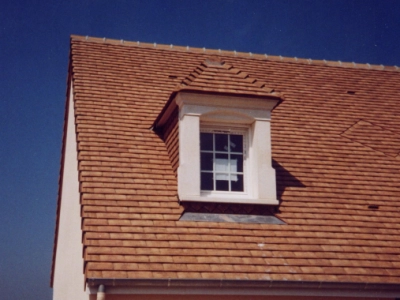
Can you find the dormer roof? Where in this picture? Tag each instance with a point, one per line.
(215, 76)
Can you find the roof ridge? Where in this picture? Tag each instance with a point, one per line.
(309, 61)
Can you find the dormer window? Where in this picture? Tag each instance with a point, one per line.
(224, 151)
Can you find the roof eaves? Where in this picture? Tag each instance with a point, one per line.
(253, 287)
(274, 95)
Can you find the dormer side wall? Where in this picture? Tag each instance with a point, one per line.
(170, 135)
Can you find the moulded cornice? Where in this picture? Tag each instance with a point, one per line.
(226, 101)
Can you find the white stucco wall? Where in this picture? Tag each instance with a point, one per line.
(221, 110)
(68, 273)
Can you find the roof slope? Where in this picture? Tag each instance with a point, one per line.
(338, 186)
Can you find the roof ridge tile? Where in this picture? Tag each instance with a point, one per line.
(248, 55)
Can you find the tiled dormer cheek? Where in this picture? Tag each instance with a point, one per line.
(225, 148)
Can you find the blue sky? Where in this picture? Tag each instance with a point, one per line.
(34, 47)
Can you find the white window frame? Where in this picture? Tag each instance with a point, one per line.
(195, 111)
(244, 131)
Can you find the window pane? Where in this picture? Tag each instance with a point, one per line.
(206, 182)
(236, 163)
(221, 171)
(222, 176)
(222, 185)
(206, 141)
(236, 142)
(221, 142)
(206, 161)
(221, 162)
(237, 183)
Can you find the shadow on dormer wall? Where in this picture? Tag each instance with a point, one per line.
(284, 179)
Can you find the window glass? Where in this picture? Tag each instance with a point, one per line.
(222, 185)
(236, 143)
(221, 162)
(237, 184)
(221, 142)
(207, 181)
(206, 141)
(206, 161)
(236, 162)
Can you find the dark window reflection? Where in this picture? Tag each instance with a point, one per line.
(222, 185)
(237, 183)
(206, 161)
(221, 142)
(207, 182)
(236, 142)
(206, 141)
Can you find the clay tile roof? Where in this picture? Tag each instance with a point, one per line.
(217, 76)
(335, 150)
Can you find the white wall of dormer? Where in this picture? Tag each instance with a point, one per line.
(254, 113)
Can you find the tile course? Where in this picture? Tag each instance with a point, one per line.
(335, 153)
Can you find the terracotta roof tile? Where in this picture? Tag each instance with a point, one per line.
(216, 76)
(335, 148)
